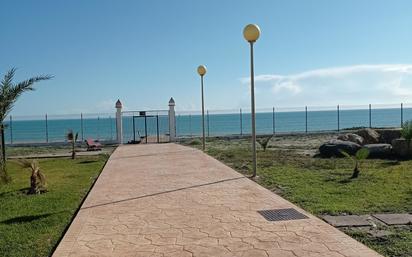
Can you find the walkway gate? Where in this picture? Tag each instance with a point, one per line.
(146, 126)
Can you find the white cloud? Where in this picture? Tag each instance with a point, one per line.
(357, 84)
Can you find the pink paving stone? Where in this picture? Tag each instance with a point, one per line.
(170, 200)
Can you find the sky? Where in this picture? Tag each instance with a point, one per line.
(311, 52)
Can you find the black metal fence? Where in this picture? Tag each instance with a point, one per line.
(53, 128)
(293, 120)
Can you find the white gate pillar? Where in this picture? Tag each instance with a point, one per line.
(172, 120)
(119, 123)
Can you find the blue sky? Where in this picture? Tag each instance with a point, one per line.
(310, 53)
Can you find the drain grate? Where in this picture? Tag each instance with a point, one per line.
(282, 214)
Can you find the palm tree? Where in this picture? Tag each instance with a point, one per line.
(360, 155)
(264, 142)
(9, 93)
(72, 138)
(37, 178)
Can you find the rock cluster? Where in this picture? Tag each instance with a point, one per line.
(383, 143)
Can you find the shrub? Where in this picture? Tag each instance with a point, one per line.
(37, 178)
(406, 131)
(264, 142)
(360, 155)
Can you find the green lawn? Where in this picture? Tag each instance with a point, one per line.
(31, 225)
(322, 186)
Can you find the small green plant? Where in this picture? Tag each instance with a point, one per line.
(264, 142)
(360, 155)
(72, 138)
(195, 142)
(406, 131)
(37, 178)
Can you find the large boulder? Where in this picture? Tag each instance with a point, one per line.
(386, 136)
(335, 146)
(379, 150)
(351, 138)
(401, 148)
(370, 136)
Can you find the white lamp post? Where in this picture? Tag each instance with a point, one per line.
(251, 33)
(202, 71)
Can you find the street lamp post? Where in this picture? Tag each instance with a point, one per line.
(202, 71)
(251, 33)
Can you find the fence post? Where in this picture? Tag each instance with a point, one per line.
(241, 122)
(207, 119)
(134, 128)
(98, 128)
(273, 121)
(47, 130)
(190, 125)
(401, 114)
(11, 130)
(370, 116)
(157, 127)
(119, 122)
(111, 127)
(145, 127)
(306, 119)
(338, 118)
(81, 126)
(177, 122)
(172, 120)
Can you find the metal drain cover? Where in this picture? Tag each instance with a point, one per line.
(282, 214)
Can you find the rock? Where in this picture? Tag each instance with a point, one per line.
(351, 138)
(386, 136)
(370, 136)
(401, 149)
(334, 146)
(379, 150)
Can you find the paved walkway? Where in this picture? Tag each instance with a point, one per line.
(169, 200)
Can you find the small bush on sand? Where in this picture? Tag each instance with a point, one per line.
(264, 142)
(195, 142)
(360, 155)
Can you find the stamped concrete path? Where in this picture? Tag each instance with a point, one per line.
(169, 200)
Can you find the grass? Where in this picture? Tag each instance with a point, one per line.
(31, 150)
(397, 243)
(31, 225)
(322, 186)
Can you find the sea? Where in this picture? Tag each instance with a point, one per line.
(103, 127)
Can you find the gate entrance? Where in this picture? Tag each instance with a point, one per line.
(145, 127)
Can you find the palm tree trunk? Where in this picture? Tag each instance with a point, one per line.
(73, 150)
(33, 184)
(3, 172)
(2, 144)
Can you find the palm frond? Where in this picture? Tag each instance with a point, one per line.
(28, 164)
(362, 154)
(344, 153)
(8, 78)
(42, 178)
(70, 135)
(9, 92)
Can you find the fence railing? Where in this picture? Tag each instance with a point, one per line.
(53, 128)
(289, 120)
(49, 128)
